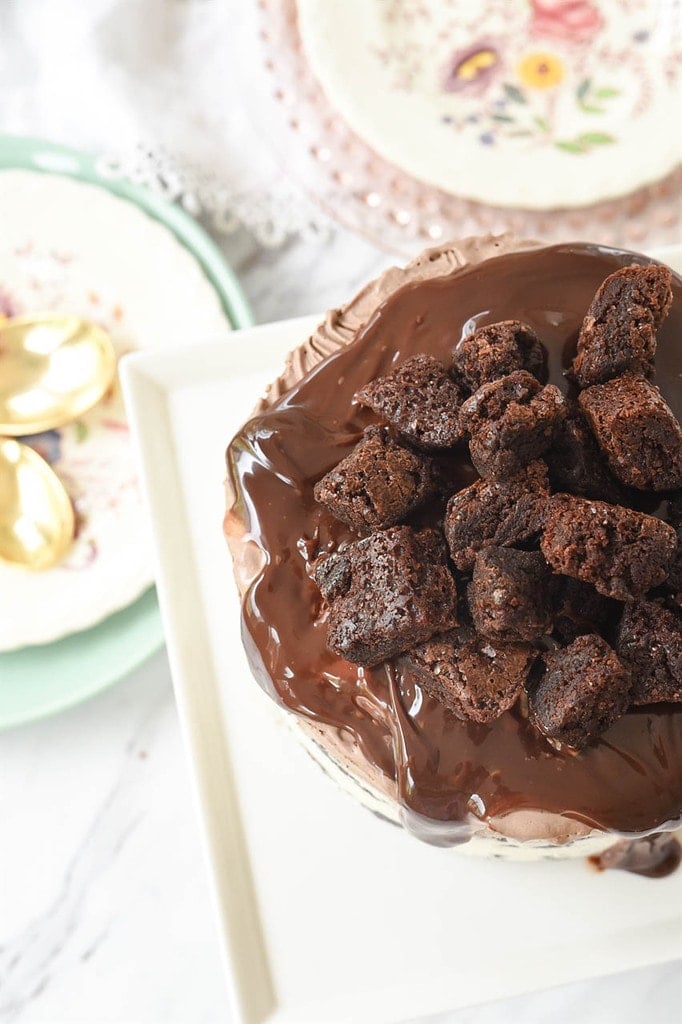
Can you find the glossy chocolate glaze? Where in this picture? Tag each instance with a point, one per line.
(448, 771)
(655, 856)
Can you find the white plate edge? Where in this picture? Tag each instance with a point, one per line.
(145, 389)
(147, 383)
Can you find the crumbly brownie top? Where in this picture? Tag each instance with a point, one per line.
(379, 484)
(475, 678)
(577, 465)
(637, 432)
(387, 593)
(511, 422)
(509, 594)
(619, 331)
(497, 350)
(420, 400)
(502, 512)
(584, 689)
(650, 644)
(621, 552)
(542, 570)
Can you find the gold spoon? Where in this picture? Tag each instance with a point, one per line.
(36, 515)
(53, 368)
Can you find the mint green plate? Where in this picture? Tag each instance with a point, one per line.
(39, 681)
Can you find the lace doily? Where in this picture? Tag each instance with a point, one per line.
(272, 217)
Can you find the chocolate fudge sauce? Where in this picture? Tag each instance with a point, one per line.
(652, 857)
(448, 772)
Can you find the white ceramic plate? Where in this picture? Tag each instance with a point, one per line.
(550, 103)
(327, 913)
(71, 246)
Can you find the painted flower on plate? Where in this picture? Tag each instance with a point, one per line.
(540, 70)
(473, 69)
(573, 21)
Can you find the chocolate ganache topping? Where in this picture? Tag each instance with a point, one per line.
(448, 775)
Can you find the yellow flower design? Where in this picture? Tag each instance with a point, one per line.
(540, 70)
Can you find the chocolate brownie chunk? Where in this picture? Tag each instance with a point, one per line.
(499, 512)
(675, 509)
(472, 676)
(333, 576)
(674, 580)
(509, 594)
(387, 593)
(637, 432)
(420, 400)
(619, 331)
(621, 552)
(378, 484)
(580, 608)
(494, 351)
(584, 689)
(576, 463)
(511, 422)
(650, 643)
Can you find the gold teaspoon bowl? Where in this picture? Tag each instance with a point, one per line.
(53, 368)
(36, 516)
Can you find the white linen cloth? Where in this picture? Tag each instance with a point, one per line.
(158, 87)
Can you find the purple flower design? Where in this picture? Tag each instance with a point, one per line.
(473, 69)
(487, 138)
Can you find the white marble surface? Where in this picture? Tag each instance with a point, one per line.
(104, 906)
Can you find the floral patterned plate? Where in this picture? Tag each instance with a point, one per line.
(527, 103)
(70, 245)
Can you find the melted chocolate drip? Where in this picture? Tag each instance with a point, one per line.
(653, 857)
(630, 781)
